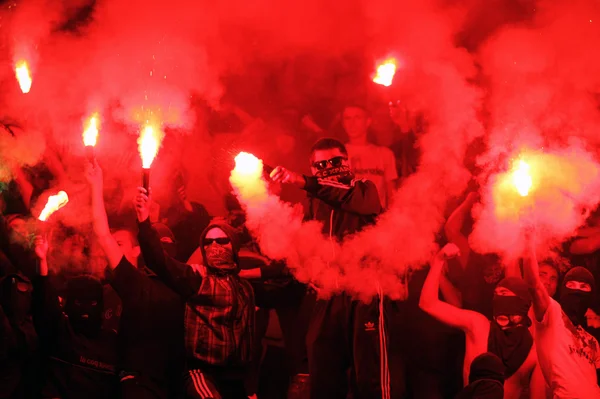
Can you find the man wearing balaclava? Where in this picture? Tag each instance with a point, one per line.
(81, 355)
(507, 335)
(219, 315)
(569, 357)
(18, 339)
(344, 335)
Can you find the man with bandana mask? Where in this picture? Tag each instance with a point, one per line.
(486, 378)
(150, 339)
(18, 338)
(81, 355)
(219, 316)
(344, 206)
(507, 335)
(569, 357)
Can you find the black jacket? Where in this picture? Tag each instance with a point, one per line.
(343, 209)
(150, 338)
(77, 366)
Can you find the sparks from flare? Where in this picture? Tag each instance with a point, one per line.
(385, 72)
(54, 203)
(23, 76)
(90, 133)
(522, 179)
(149, 143)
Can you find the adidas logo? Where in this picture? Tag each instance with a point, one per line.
(369, 326)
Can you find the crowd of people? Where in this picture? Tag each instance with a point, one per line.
(187, 306)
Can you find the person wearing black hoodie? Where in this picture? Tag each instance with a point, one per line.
(219, 316)
(345, 336)
(150, 340)
(81, 355)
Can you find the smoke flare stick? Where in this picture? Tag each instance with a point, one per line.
(146, 178)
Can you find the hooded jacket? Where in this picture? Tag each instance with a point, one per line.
(219, 316)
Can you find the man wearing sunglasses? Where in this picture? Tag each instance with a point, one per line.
(507, 335)
(342, 332)
(219, 314)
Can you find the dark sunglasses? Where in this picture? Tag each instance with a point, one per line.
(336, 162)
(221, 241)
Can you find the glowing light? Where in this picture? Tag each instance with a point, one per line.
(23, 76)
(149, 143)
(522, 178)
(248, 165)
(54, 203)
(385, 72)
(90, 133)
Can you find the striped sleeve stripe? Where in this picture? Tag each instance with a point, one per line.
(333, 184)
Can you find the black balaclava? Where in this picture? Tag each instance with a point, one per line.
(575, 303)
(511, 343)
(15, 297)
(85, 304)
(167, 239)
(218, 258)
(486, 378)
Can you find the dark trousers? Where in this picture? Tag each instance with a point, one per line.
(202, 385)
(133, 389)
(343, 344)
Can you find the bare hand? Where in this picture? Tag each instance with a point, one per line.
(40, 245)
(529, 233)
(141, 203)
(449, 251)
(93, 175)
(282, 175)
(472, 197)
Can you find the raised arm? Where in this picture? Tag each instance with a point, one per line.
(466, 320)
(531, 273)
(360, 198)
(454, 225)
(182, 278)
(101, 229)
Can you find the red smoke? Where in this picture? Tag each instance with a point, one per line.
(543, 84)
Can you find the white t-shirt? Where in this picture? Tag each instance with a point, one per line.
(375, 163)
(568, 355)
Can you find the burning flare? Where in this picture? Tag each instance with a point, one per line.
(385, 72)
(55, 202)
(23, 76)
(248, 165)
(149, 143)
(90, 133)
(522, 179)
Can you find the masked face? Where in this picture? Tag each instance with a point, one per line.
(15, 297)
(219, 250)
(509, 310)
(331, 164)
(169, 246)
(84, 304)
(575, 299)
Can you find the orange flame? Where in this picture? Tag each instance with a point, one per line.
(55, 202)
(149, 143)
(522, 179)
(23, 76)
(90, 133)
(385, 72)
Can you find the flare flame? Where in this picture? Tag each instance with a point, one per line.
(54, 203)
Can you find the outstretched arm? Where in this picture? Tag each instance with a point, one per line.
(360, 198)
(531, 272)
(466, 320)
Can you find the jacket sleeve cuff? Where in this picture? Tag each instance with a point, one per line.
(312, 184)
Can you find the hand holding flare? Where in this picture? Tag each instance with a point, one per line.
(149, 142)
